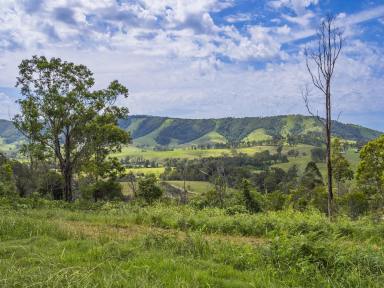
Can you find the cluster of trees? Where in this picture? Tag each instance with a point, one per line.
(235, 167)
(274, 188)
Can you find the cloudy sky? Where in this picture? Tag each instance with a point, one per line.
(202, 58)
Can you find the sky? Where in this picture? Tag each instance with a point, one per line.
(202, 58)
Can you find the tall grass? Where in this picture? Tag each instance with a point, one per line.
(173, 246)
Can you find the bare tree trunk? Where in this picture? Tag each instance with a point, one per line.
(330, 42)
(329, 144)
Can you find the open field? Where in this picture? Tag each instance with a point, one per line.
(124, 245)
(301, 161)
(137, 171)
(186, 153)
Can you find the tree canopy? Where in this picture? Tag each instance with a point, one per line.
(62, 117)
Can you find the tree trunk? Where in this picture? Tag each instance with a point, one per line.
(328, 129)
(67, 173)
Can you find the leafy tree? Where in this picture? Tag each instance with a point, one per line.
(356, 203)
(103, 190)
(341, 168)
(51, 185)
(59, 113)
(250, 203)
(25, 181)
(312, 176)
(370, 173)
(149, 189)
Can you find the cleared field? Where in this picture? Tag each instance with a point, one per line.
(157, 171)
(186, 153)
(305, 156)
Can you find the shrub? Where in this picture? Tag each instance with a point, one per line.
(51, 185)
(356, 203)
(102, 190)
(149, 189)
(276, 200)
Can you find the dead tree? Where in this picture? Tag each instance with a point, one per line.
(321, 63)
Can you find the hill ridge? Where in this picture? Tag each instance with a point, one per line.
(154, 131)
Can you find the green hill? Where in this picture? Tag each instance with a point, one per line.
(162, 131)
(154, 131)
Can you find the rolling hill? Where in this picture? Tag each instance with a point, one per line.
(152, 131)
(163, 131)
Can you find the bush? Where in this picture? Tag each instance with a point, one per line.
(103, 190)
(356, 203)
(51, 185)
(250, 203)
(276, 200)
(149, 189)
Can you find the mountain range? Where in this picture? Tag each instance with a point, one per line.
(152, 131)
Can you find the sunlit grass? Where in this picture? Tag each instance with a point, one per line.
(124, 245)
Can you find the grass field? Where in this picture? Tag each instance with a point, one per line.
(186, 153)
(124, 245)
(156, 170)
(302, 160)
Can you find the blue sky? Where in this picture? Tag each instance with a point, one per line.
(202, 58)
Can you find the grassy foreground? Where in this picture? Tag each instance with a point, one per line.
(47, 244)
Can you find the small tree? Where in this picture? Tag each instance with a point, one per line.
(250, 203)
(341, 167)
(61, 114)
(311, 177)
(132, 182)
(370, 172)
(149, 189)
(323, 58)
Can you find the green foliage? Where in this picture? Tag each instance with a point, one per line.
(184, 130)
(24, 179)
(276, 201)
(341, 168)
(63, 116)
(51, 185)
(370, 173)
(318, 154)
(311, 177)
(146, 126)
(7, 183)
(250, 203)
(102, 191)
(148, 188)
(356, 203)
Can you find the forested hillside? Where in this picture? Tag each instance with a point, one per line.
(154, 131)
(151, 131)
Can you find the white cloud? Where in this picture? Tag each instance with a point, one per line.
(239, 17)
(176, 60)
(299, 6)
